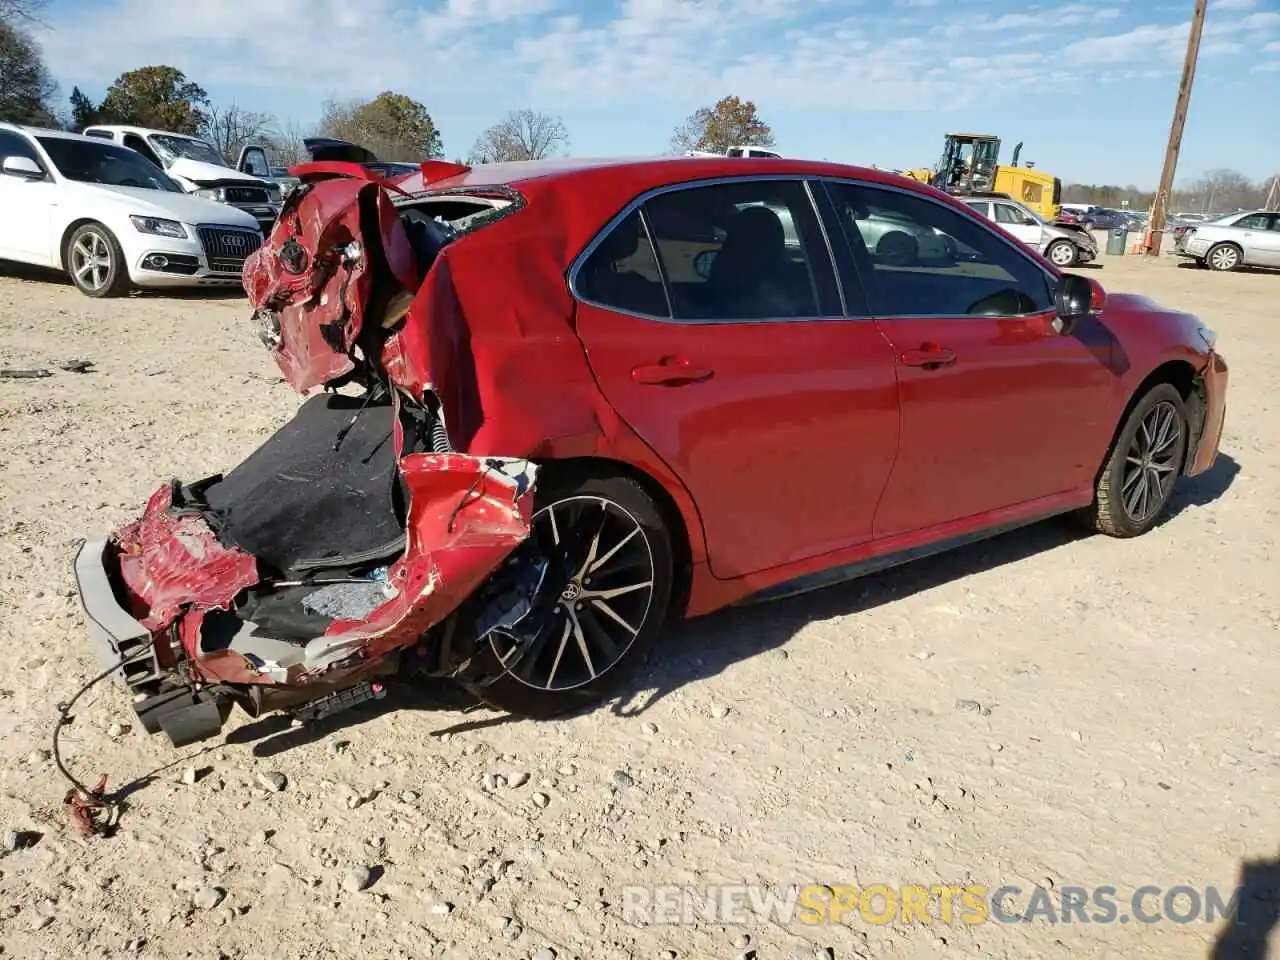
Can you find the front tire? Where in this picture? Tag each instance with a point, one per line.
(1062, 253)
(1224, 257)
(95, 262)
(620, 575)
(1144, 463)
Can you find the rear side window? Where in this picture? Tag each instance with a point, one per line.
(622, 272)
(744, 250)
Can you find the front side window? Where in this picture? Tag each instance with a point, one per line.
(90, 161)
(745, 250)
(920, 258)
(255, 162)
(1256, 221)
(1007, 214)
(13, 145)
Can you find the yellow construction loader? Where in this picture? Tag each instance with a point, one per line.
(970, 163)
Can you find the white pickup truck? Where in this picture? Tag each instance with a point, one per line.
(197, 167)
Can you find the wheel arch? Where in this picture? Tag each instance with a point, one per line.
(1239, 249)
(71, 228)
(678, 526)
(1179, 374)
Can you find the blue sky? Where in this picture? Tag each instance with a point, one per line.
(1087, 85)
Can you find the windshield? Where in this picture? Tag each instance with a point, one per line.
(95, 161)
(171, 148)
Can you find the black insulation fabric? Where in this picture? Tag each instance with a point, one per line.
(296, 499)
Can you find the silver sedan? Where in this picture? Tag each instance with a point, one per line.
(1247, 239)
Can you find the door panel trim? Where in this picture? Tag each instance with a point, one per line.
(888, 552)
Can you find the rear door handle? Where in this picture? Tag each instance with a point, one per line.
(671, 372)
(929, 355)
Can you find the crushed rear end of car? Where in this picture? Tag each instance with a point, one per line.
(355, 544)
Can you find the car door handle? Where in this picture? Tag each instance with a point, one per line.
(670, 371)
(928, 355)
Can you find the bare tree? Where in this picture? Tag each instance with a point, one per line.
(287, 144)
(231, 128)
(521, 135)
(26, 87)
(1217, 191)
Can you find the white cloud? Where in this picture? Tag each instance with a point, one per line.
(1273, 47)
(1233, 4)
(1170, 41)
(659, 56)
(908, 4)
(1130, 45)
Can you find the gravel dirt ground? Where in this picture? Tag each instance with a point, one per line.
(1042, 709)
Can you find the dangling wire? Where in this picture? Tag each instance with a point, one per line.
(90, 809)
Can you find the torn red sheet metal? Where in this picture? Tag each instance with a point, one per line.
(91, 813)
(311, 283)
(173, 560)
(466, 515)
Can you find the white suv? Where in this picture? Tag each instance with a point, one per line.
(111, 218)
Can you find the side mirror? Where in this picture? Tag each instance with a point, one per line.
(1028, 221)
(22, 167)
(1075, 298)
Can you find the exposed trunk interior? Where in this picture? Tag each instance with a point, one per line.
(299, 504)
(321, 506)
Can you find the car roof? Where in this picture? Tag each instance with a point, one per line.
(48, 133)
(640, 174)
(126, 128)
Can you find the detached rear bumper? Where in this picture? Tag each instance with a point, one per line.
(114, 634)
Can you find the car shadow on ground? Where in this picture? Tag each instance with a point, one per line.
(704, 647)
(1257, 912)
(1196, 265)
(194, 293)
(22, 271)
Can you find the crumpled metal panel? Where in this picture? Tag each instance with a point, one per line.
(311, 282)
(170, 562)
(466, 515)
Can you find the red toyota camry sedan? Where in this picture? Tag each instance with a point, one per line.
(568, 401)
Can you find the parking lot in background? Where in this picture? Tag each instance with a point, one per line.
(1038, 709)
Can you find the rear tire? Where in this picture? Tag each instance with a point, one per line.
(613, 607)
(1224, 257)
(95, 263)
(1142, 467)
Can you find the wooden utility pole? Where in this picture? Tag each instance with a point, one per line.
(1159, 209)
